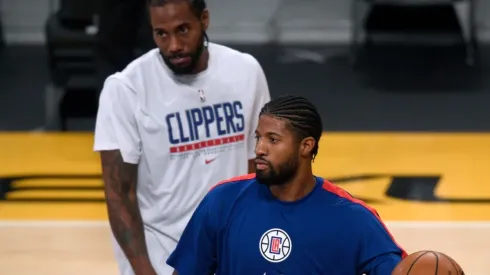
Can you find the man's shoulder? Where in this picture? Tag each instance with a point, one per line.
(232, 188)
(225, 194)
(234, 56)
(136, 74)
(347, 204)
(138, 66)
(234, 183)
(150, 57)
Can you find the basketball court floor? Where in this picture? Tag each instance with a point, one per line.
(432, 190)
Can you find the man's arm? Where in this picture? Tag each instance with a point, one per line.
(378, 251)
(124, 216)
(196, 251)
(118, 141)
(383, 264)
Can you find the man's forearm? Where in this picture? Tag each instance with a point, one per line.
(127, 227)
(123, 211)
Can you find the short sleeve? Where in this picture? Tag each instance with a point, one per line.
(196, 251)
(262, 96)
(378, 251)
(116, 127)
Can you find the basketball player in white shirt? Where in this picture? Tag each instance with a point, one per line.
(173, 123)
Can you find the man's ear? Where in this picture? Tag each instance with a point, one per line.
(307, 145)
(205, 20)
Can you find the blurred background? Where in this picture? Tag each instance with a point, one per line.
(417, 66)
(403, 87)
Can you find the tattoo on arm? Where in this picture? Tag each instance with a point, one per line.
(120, 180)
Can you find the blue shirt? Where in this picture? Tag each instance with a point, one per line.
(241, 228)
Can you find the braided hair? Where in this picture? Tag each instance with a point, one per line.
(300, 114)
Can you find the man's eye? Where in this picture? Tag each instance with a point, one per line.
(184, 30)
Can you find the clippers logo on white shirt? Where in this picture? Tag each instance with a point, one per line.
(210, 129)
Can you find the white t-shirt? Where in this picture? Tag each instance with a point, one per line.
(186, 133)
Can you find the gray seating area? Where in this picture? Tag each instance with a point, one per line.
(464, 10)
(2, 38)
(70, 37)
(71, 48)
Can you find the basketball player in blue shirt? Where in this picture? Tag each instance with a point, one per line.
(283, 219)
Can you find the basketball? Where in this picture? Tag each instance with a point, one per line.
(427, 263)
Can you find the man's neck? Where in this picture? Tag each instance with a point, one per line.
(297, 188)
(202, 63)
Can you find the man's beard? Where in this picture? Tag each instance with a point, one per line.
(194, 59)
(279, 176)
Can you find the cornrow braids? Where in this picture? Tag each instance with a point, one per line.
(301, 115)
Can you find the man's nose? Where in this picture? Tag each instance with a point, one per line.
(260, 148)
(175, 45)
